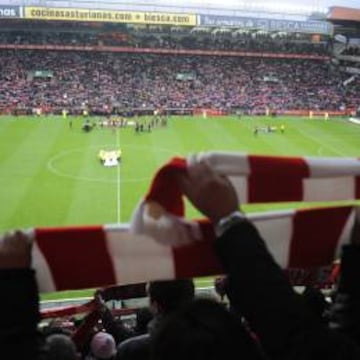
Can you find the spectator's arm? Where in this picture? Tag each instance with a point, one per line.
(259, 290)
(83, 333)
(19, 299)
(257, 286)
(345, 312)
(113, 327)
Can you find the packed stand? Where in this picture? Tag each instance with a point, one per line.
(351, 50)
(245, 41)
(103, 81)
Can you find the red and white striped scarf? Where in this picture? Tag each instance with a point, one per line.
(172, 246)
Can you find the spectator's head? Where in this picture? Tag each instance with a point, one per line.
(315, 301)
(167, 296)
(60, 347)
(59, 326)
(143, 317)
(220, 285)
(103, 346)
(204, 330)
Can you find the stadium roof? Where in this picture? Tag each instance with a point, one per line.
(278, 6)
(305, 5)
(308, 16)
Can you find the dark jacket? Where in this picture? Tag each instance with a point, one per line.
(135, 348)
(260, 291)
(138, 347)
(345, 313)
(19, 314)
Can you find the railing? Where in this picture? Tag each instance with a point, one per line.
(126, 49)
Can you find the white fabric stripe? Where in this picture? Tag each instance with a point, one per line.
(240, 184)
(226, 163)
(138, 258)
(277, 234)
(269, 215)
(42, 270)
(346, 232)
(331, 189)
(333, 167)
(234, 163)
(166, 228)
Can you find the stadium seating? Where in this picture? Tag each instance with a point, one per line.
(54, 80)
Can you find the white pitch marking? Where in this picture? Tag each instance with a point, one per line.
(118, 173)
(52, 168)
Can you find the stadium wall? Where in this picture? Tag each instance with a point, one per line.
(309, 113)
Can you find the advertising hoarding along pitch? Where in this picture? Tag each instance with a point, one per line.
(9, 12)
(252, 23)
(136, 17)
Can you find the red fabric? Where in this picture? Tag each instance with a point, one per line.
(79, 257)
(164, 188)
(357, 187)
(199, 257)
(196, 258)
(316, 234)
(123, 292)
(84, 271)
(84, 331)
(67, 310)
(335, 273)
(274, 179)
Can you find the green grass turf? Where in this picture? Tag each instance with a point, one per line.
(50, 174)
(85, 293)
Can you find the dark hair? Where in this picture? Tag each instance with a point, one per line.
(60, 346)
(316, 302)
(171, 294)
(51, 330)
(204, 330)
(143, 317)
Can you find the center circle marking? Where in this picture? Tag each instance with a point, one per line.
(55, 170)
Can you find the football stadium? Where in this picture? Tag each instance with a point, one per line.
(163, 163)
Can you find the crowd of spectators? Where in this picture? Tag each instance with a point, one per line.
(102, 81)
(208, 40)
(244, 41)
(351, 50)
(48, 38)
(268, 320)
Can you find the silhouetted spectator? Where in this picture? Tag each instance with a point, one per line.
(61, 347)
(165, 297)
(143, 317)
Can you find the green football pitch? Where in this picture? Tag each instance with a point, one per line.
(50, 174)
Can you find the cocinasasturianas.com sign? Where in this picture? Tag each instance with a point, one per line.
(137, 17)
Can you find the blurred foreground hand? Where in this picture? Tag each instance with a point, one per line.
(15, 250)
(209, 192)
